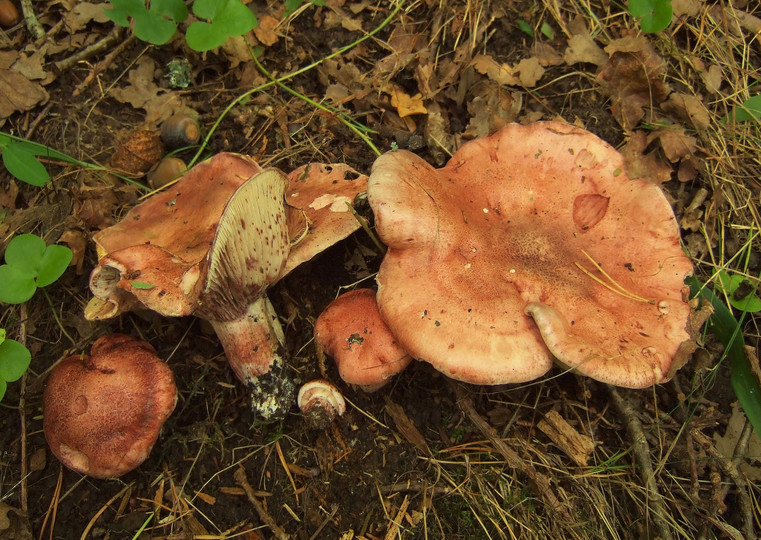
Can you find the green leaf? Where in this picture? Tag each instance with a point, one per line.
(16, 286)
(749, 110)
(655, 15)
(153, 28)
(525, 27)
(291, 6)
(25, 252)
(727, 330)
(202, 36)
(122, 9)
(2, 335)
(54, 262)
(3, 388)
(236, 19)
(750, 303)
(208, 9)
(143, 286)
(24, 165)
(14, 359)
(174, 9)
(547, 31)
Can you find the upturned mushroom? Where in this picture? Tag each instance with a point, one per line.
(103, 412)
(530, 244)
(320, 402)
(210, 246)
(352, 332)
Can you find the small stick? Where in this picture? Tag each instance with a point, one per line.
(99, 46)
(32, 24)
(106, 62)
(240, 478)
(641, 452)
(539, 481)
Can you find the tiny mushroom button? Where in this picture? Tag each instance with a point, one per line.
(529, 245)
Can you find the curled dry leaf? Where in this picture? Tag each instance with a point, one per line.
(18, 94)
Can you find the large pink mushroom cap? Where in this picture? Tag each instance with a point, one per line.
(104, 412)
(530, 244)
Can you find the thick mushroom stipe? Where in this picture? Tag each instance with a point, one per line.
(352, 332)
(530, 243)
(213, 243)
(104, 412)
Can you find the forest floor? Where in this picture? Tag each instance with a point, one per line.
(425, 457)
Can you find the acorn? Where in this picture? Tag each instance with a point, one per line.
(180, 130)
(138, 153)
(9, 15)
(165, 171)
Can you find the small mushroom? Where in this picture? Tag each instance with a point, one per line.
(180, 130)
(320, 402)
(351, 331)
(103, 412)
(530, 244)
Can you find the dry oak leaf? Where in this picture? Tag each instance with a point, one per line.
(405, 104)
(18, 94)
(143, 93)
(499, 73)
(642, 164)
(529, 71)
(634, 76)
(582, 49)
(265, 30)
(82, 13)
(688, 108)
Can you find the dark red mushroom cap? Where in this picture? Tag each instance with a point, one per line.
(103, 412)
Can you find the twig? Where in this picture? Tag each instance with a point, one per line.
(641, 450)
(540, 482)
(99, 46)
(729, 466)
(240, 478)
(103, 64)
(32, 24)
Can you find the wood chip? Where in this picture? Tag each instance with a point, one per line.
(576, 446)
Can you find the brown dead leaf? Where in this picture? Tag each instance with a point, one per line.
(582, 49)
(77, 242)
(143, 93)
(491, 108)
(546, 54)
(640, 163)
(634, 78)
(529, 71)
(31, 63)
(499, 73)
(18, 94)
(687, 8)
(265, 30)
(438, 136)
(82, 13)
(405, 104)
(8, 58)
(675, 142)
(688, 108)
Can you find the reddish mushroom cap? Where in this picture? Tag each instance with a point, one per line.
(103, 412)
(352, 332)
(535, 221)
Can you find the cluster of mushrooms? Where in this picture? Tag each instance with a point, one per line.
(531, 246)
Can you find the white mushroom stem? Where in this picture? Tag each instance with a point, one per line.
(252, 342)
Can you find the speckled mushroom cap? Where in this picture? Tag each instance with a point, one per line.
(323, 195)
(351, 331)
(530, 243)
(103, 412)
(155, 256)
